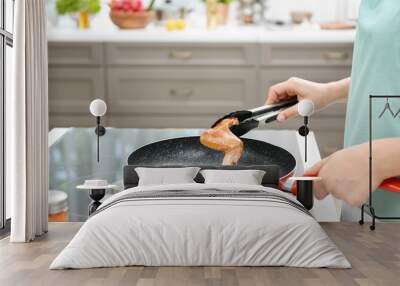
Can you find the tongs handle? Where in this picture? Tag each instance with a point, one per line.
(272, 107)
(243, 115)
(248, 125)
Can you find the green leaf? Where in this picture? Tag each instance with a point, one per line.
(73, 6)
(93, 6)
(67, 6)
(225, 1)
(150, 7)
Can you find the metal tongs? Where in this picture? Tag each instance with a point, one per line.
(251, 119)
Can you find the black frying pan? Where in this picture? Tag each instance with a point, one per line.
(188, 151)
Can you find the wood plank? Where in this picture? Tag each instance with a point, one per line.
(375, 257)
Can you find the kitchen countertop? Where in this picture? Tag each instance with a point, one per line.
(227, 34)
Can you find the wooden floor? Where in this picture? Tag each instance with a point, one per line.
(375, 257)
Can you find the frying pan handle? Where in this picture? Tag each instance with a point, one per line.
(391, 185)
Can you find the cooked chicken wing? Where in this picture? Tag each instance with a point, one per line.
(220, 138)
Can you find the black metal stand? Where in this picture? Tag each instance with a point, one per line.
(303, 131)
(370, 202)
(96, 195)
(100, 131)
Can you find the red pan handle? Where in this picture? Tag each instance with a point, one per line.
(390, 185)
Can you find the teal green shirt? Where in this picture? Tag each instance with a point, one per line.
(376, 71)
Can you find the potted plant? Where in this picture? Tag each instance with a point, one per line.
(131, 14)
(84, 8)
(223, 11)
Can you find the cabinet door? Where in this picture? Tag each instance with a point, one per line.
(180, 91)
(76, 53)
(328, 124)
(72, 89)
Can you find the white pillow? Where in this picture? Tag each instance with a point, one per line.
(248, 177)
(166, 176)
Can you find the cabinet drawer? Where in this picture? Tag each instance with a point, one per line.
(182, 54)
(76, 53)
(73, 120)
(72, 89)
(329, 141)
(180, 91)
(160, 121)
(307, 55)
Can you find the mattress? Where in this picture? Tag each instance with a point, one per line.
(201, 225)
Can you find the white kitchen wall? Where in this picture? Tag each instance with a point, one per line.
(323, 10)
(352, 8)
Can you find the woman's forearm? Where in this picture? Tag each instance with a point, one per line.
(339, 90)
(386, 158)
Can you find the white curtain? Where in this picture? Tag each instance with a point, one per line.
(27, 123)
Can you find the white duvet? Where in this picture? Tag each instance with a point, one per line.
(200, 231)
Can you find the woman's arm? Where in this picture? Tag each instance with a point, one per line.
(385, 158)
(321, 94)
(338, 90)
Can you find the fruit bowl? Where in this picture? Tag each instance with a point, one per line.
(131, 20)
(131, 14)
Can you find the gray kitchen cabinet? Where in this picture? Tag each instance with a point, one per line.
(76, 77)
(75, 54)
(78, 119)
(164, 120)
(156, 85)
(71, 89)
(177, 91)
(181, 54)
(306, 55)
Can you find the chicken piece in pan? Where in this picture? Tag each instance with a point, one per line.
(220, 138)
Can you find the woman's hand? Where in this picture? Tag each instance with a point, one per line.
(345, 174)
(320, 94)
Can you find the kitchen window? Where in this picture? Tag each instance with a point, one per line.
(6, 44)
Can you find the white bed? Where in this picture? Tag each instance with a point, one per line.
(185, 230)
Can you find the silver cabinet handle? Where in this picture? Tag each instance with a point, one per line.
(336, 56)
(181, 93)
(181, 55)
